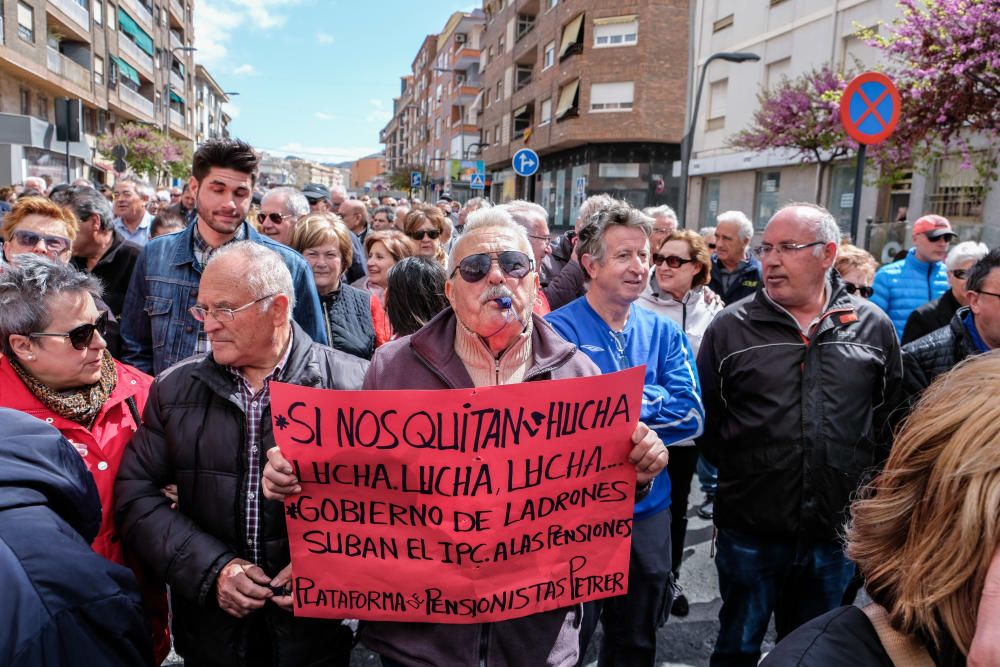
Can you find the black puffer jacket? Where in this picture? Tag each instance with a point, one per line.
(928, 357)
(349, 325)
(193, 436)
(795, 425)
(930, 317)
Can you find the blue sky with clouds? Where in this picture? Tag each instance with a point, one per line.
(315, 78)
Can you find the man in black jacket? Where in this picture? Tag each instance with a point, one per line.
(62, 603)
(972, 330)
(798, 382)
(938, 313)
(735, 271)
(207, 424)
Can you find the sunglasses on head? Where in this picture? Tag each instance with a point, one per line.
(673, 261)
(275, 218)
(512, 262)
(429, 233)
(53, 244)
(861, 290)
(80, 336)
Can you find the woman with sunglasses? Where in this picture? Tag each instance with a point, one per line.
(355, 320)
(682, 268)
(384, 248)
(36, 225)
(56, 367)
(430, 231)
(857, 270)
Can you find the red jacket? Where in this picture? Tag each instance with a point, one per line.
(101, 447)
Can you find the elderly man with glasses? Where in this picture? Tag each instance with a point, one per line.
(280, 209)
(799, 382)
(489, 336)
(222, 549)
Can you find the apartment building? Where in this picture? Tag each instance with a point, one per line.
(307, 171)
(124, 59)
(596, 88)
(394, 135)
(210, 120)
(365, 170)
(793, 37)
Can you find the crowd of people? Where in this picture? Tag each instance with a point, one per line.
(835, 413)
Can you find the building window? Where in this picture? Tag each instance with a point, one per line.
(551, 3)
(546, 112)
(522, 76)
(489, 55)
(499, 90)
(616, 96)
(620, 31)
(572, 38)
(569, 101)
(618, 170)
(723, 23)
(486, 138)
(710, 201)
(717, 105)
(25, 102)
(522, 119)
(549, 58)
(486, 97)
(768, 187)
(525, 23)
(98, 12)
(112, 14)
(98, 70)
(43, 107)
(776, 71)
(26, 22)
(958, 194)
(500, 43)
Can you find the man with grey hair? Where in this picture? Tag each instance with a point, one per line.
(99, 247)
(535, 221)
(132, 219)
(938, 313)
(222, 549)
(562, 278)
(664, 224)
(354, 213)
(488, 337)
(467, 209)
(616, 334)
(735, 271)
(798, 382)
(280, 209)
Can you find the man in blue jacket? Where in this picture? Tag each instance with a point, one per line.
(613, 251)
(157, 327)
(904, 286)
(63, 604)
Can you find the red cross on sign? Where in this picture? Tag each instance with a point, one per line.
(869, 108)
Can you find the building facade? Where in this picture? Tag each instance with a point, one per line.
(307, 171)
(793, 37)
(210, 121)
(596, 88)
(124, 60)
(365, 171)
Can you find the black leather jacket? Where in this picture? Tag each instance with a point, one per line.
(796, 424)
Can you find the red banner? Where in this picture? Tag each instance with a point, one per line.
(459, 506)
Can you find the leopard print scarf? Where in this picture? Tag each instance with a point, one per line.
(80, 405)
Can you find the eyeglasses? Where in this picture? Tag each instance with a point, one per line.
(275, 217)
(863, 290)
(222, 314)
(982, 291)
(429, 233)
(546, 238)
(673, 261)
(960, 274)
(766, 249)
(512, 262)
(81, 336)
(55, 245)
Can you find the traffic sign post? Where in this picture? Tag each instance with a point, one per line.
(525, 162)
(869, 112)
(415, 180)
(478, 181)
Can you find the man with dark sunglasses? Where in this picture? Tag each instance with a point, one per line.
(606, 323)
(280, 209)
(488, 337)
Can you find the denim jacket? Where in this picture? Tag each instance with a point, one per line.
(158, 331)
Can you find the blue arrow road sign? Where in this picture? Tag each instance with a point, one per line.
(415, 179)
(478, 181)
(525, 162)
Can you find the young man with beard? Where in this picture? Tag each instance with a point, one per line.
(158, 330)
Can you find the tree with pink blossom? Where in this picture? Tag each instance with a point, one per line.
(802, 116)
(150, 152)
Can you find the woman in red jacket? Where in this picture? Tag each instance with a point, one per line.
(56, 367)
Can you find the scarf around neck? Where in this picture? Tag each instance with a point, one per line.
(80, 405)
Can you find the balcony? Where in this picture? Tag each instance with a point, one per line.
(177, 11)
(67, 69)
(177, 119)
(176, 82)
(74, 11)
(136, 55)
(466, 58)
(175, 41)
(143, 106)
(138, 10)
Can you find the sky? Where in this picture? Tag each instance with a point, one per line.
(315, 78)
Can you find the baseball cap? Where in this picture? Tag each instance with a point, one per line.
(935, 226)
(445, 196)
(314, 191)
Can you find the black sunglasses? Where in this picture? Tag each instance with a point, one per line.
(56, 245)
(862, 290)
(274, 217)
(673, 261)
(429, 233)
(960, 274)
(475, 267)
(711, 246)
(81, 336)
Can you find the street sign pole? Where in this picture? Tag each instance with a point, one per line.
(859, 174)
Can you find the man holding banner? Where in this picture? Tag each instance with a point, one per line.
(488, 338)
(613, 250)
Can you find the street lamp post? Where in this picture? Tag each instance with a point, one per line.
(733, 57)
(166, 96)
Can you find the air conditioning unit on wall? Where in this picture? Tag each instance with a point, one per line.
(460, 37)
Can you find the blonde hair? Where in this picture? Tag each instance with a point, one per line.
(852, 257)
(26, 206)
(424, 212)
(322, 228)
(924, 531)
